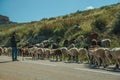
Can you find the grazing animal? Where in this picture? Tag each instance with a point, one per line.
(73, 54)
(83, 53)
(65, 52)
(105, 43)
(1, 50)
(115, 52)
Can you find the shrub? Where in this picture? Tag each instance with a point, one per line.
(116, 24)
(99, 24)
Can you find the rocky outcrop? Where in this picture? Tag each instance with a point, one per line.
(4, 20)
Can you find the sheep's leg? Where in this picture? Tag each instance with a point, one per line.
(38, 56)
(117, 64)
(60, 57)
(64, 57)
(53, 57)
(81, 59)
(100, 62)
(42, 56)
(96, 61)
(22, 56)
(69, 57)
(33, 57)
(92, 60)
(73, 58)
(48, 56)
(104, 63)
(76, 58)
(56, 57)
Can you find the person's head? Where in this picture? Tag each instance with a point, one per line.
(14, 34)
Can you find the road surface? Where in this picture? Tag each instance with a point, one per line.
(47, 70)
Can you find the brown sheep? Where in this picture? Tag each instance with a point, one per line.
(1, 51)
(73, 54)
(83, 53)
(115, 52)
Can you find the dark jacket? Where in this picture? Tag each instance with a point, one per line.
(14, 41)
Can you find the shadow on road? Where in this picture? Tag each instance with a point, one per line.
(109, 68)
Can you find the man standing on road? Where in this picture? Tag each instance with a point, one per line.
(14, 41)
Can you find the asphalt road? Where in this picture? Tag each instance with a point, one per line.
(47, 70)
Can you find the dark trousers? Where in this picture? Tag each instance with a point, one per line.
(14, 53)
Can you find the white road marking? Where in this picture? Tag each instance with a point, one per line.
(33, 62)
(104, 72)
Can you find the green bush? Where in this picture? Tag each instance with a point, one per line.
(116, 24)
(99, 24)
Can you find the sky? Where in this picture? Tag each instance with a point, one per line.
(34, 10)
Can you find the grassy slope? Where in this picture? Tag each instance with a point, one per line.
(63, 25)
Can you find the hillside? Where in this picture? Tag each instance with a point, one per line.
(4, 19)
(100, 21)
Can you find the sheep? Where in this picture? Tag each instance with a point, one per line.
(115, 52)
(46, 43)
(33, 52)
(71, 46)
(9, 51)
(79, 39)
(24, 52)
(82, 53)
(40, 53)
(73, 54)
(5, 51)
(99, 56)
(65, 52)
(108, 56)
(56, 53)
(105, 43)
(90, 55)
(1, 51)
(21, 51)
(47, 52)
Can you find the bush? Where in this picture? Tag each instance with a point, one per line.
(99, 24)
(116, 24)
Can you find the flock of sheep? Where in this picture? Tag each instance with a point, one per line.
(96, 56)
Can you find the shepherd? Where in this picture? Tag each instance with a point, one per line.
(14, 42)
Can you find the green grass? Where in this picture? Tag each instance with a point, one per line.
(64, 25)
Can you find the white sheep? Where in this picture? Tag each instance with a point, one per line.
(105, 43)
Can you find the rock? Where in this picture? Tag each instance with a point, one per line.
(4, 20)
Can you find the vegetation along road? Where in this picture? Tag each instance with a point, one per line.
(48, 70)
